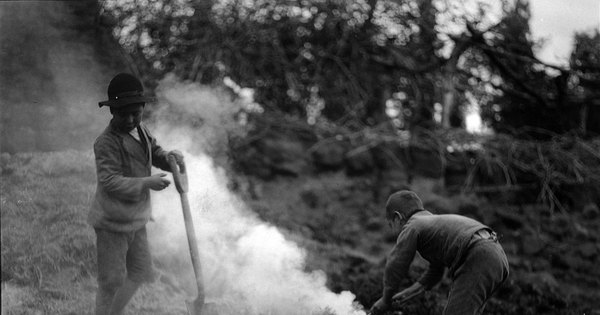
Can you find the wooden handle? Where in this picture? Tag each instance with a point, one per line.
(181, 183)
(179, 174)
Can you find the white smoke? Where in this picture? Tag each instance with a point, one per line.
(247, 264)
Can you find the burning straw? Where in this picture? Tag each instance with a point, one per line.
(249, 267)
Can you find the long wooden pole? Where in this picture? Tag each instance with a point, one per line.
(181, 183)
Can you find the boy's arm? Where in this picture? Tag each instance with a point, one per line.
(409, 293)
(398, 262)
(432, 275)
(159, 155)
(110, 173)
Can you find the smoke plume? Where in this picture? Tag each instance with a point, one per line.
(51, 78)
(248, 264)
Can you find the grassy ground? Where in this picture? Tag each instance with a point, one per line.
(48, 251)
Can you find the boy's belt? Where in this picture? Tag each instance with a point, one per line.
(485, 234)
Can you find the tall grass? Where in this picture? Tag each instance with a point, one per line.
(44, 203)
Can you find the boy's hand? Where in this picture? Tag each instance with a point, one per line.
(379, 307)
(157, 181)
(178, 156)
(408, 293)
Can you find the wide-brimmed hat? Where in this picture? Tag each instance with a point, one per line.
(125, 89)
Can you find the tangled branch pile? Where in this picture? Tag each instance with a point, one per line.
(549, 170)
(551, 166)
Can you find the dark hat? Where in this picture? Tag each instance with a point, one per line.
(125, 89)
(404, 201)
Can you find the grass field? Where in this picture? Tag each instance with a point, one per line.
(48, 249)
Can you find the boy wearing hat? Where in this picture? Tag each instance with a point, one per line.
(125, 153)
(470, 250)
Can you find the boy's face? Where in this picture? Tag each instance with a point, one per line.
(128, 117)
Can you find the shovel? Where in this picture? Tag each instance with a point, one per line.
(194, 307)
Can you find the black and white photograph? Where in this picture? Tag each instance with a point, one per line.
(300, 157)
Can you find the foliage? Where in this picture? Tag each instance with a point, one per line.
(359, 63)
(585, 83)
(548, 169)
(350, 62)
(522, 91)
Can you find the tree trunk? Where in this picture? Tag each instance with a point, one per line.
(583, 117)
(449, 93)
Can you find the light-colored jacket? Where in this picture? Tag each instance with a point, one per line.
(122, 203)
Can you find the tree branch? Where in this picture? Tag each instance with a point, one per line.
(512, 75)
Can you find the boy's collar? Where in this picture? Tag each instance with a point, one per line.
(415, 212)
(114, 128)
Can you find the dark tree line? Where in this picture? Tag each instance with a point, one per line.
(351, 62)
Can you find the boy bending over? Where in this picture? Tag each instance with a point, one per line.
(470, 250)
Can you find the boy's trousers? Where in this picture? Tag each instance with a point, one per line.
(483, 271)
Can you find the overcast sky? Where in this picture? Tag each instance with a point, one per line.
(557, 21)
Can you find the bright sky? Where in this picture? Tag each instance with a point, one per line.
(557, 21)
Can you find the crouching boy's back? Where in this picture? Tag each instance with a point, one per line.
(469, 249)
